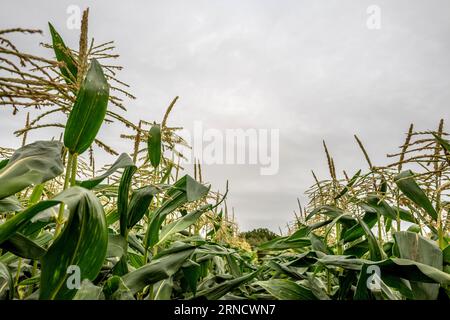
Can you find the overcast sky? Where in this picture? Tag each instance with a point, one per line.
(312, 69)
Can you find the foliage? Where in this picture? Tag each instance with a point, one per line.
(142, 229)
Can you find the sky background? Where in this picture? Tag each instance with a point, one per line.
(311, 69)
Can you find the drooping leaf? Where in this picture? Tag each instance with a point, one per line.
(284, 289)
(88, 112)
(89, 291)
(163, 289)
(182, 223)
(9, 204)
(411, 189)
(32, 164)
(184, 190)
(380, 206)
(218, 291)
(353, 233)
(14, 224)
(123, 161)
(82, 243)
(6, 283)
(415, 247)
(116, 246)
(376, 253)
(160, 268)
(23, 247)
(139, 203)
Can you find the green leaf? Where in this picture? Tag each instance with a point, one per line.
(123, 161)
(160, 268)
(82, 243)
(376, 253)
(116, 246)
(64, 55)
(413, 246)
(122, 199)
(139, 203)
(284, 289)
(89, 291)
(88, 112)
(446, 254)
(32, 164)
(23, 247)
(14, 224)
(191, 274)
(10, 204)
(154, 145)
(182, 223)
(163, 289)
(379, 206)
(411, 189)
(184, 190)
(218, 291)
(353, 233)
(3, 163)
(6, 283)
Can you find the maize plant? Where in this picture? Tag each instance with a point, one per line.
(143, 229)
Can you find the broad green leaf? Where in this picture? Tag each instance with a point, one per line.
(116, 246)
(14, 224)
(218, 291)
(6, 283)
(415, 247)
(64, 55)
(115, 289)
(10, 204)
(282, 243)
(184, 190)
(154, 145)
(284, 289)
(88, 112)
(411, 189)
(353, 233)
(139, 203)
(123, 161)
(182, 223)
(376, 253)
(122, 199)
(304, 230)
(32, 164)
(380, 206)
(3, 163)
(160, 268)
(82, 243)
(23, 247)
(162, 290)
(446, 254)
(89, 291)
(191, 274)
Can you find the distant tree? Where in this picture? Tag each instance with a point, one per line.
(258, 236)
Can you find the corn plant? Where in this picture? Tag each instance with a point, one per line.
(143, 229)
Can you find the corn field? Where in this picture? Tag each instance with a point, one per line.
(142, 229)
